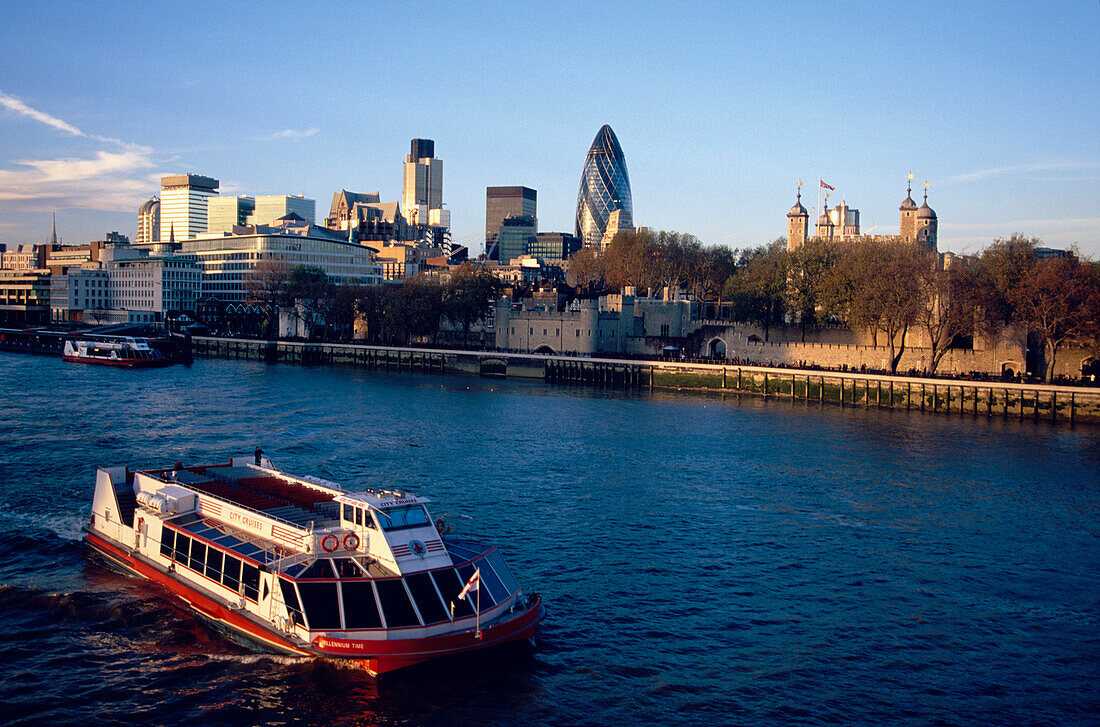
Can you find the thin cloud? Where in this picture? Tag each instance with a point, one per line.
(108, 181)
(292, 134)
(20, 107)
(981, 174)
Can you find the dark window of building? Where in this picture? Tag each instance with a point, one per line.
(250, 577)
(449, 585)
(489, 580)
(182, 544)
(231, 573)
(360, 608)
(427, 600)
(198, 556)
(319, 569)
(346, 568)
(503, 573)
(320, 604)
(399, 518)
(290, 598)
(214, 564)
(167, 541)
(486, 598)
(395, 604)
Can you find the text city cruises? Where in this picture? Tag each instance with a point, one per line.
(124, 351)
(296, 565)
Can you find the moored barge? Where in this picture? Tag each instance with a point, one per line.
(121, 351)
(297, 565)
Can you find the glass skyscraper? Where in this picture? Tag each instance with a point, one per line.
(605, 187)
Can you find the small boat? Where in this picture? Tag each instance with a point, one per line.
(125, 351)
(297, 565)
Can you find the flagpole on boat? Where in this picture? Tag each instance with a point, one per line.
(477, 621)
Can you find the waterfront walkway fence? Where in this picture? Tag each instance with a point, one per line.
(1021, 401)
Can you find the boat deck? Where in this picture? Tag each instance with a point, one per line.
(272, 496)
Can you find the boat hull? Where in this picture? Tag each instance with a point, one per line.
(375, 656)
(121, 363)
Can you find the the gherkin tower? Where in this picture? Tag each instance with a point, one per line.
(605, 187)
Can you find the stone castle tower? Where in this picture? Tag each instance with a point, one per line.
(917, 225)
(927, 225)
(798, 224)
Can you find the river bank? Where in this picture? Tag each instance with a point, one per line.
(1020, 401)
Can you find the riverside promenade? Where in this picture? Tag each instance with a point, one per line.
(1025, 402)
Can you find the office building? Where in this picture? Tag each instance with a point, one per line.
(225, 213)
(514, 236)
(226, 261)
(270, 207)
(422, 187)
(148, 230)
(604, 189)
(183, 205)
(502, 202)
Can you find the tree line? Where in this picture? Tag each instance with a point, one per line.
(388, 314)
(886, 287)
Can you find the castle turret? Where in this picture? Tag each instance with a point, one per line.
(926, 224)
(908, 225)
(824, 224)
(798, 223)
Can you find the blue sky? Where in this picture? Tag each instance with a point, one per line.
(720, 109)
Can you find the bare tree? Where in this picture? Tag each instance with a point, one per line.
(265, 288)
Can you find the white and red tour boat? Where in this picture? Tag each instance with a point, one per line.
(124, 351)
(296, 565)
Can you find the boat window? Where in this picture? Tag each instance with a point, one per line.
(290, 598)
(503, 572)
(460, 552)
(182, 544)
(396, 604)
(198, 556)
(167, 541)
(449, 585)
(399, 518)
(427, 600)
(349, 512)
(489, 579)
(360, 608)
(231, 574)
(368, 521)
(485, 597)
(346, 568)
(319, 569)
(358, 516)
(294, 570)
(213, 564)
(250, 577)
(320, 604)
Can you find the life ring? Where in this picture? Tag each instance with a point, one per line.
(325, 543)
(441, 525)
(351, 541)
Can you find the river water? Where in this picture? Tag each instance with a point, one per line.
(704, 560)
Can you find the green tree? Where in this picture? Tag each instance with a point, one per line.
(947, 308)
(468, 296)
(758, 288)
(1057, 299)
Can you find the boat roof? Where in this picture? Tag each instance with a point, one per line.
(267, 492)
